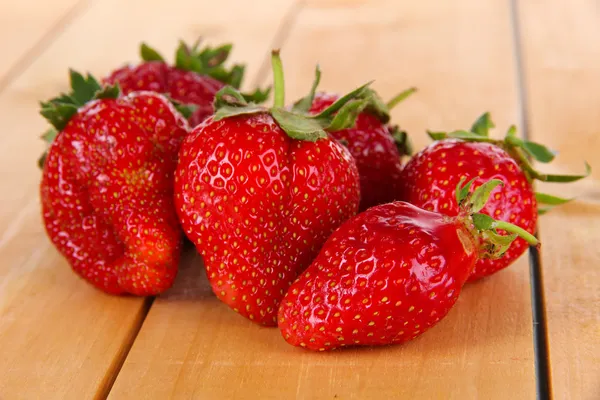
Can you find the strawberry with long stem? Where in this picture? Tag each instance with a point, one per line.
(258, 190)
(391, 273)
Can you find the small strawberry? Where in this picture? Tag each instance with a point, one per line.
(391, 273)
(376, 147)
(194, 79)
(429, 177)
(259, 191)
(107, 186)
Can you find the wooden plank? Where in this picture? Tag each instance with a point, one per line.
(561, 76)
(25, 25)
(459, 54)
(60, 338)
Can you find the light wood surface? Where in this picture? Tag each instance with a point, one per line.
(26, 27)
(59, 338)
(191, 345)
(563, 83)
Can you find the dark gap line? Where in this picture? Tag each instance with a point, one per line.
(115, 369)
(538, 309)
(281, 35)
(42, 44)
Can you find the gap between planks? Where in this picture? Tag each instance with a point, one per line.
(281, 35)
(538, 302)
(43, 43)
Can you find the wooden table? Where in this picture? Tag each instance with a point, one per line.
(533, 329)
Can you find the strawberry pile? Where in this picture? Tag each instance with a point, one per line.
(306, 214)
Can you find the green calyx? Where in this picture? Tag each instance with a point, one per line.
(519, 149)
(207, 61)
(296, 122)
(59, 110)
(493, 244)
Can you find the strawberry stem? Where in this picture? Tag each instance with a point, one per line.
(508, 227)
(278, 82)
(400, 97)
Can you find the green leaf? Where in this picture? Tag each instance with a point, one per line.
(298, 126)
(469, 136)
(304, 104)
(49, 135)
(229, 96)
(483, 125)
(376, 106)
(236, 75)
(227, 111)
(185, 109)
(496, 245)
(512, 131)
(565, 178)
(258, 96)
(346, 116)
(83, 90)
(539, 152)
(437, 135)
(339, 103)
(59, 114)
(543, 198)
(401, 140)
(108, 92)
(400, 97)
(481, 195)
(462, 192)
(483, 221)
(147, 53)
(182, 57)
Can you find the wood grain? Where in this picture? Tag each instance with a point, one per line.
(561, 75)
(460, 56)
(59, 337)
(27, 25)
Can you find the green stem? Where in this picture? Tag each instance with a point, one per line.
(508, 227)
(278, 83)
(400, 97)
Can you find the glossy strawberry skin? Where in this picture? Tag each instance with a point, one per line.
(375, 152)
(186, 87)
(106, 193)
(430, 178)
(383, 277)
(259, 205)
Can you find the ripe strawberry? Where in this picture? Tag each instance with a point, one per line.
(259, 191)
(429, 177)
(194, 79)
(389, 274)
(376, 147)
(107, 186)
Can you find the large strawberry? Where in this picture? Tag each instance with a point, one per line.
(428, 179)
(376, 147)
(193, 80)
(259, 191)
(391, 273)
(107, 186)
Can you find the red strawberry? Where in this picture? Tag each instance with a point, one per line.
(376, 147)
(107, 186)
(194, 79)
(259, 191)
(389, 274)
(429, 177)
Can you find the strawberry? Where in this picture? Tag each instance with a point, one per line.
(390, 273)
(194, 79)
(107, 186)
(259, 190)
(429, 176)
(376, 147)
